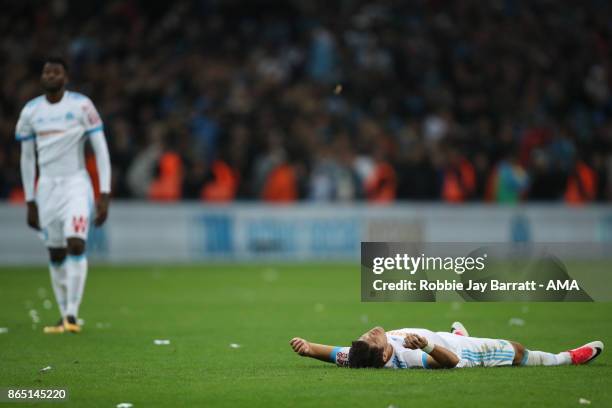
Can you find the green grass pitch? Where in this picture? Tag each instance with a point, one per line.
(203, 309)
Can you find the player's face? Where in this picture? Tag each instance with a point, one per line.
(53, 77)
(375, 337)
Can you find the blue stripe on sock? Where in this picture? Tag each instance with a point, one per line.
(525, 357)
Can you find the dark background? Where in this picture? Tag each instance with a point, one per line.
(501, 101)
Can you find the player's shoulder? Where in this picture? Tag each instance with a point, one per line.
(77, 97)
(33, 103)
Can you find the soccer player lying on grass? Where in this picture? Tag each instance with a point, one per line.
(422, 348)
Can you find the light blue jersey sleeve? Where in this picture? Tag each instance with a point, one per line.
(339, 356)
(24, 130)
(411, 359)
(89, 115)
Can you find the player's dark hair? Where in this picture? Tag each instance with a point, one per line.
(56, 59)
(361, 355)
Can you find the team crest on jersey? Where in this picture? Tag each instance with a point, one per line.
(79, 224)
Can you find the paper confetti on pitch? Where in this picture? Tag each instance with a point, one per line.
(34, 316)
(584, 401)
(235, 345)
(3, 330)
(161, 342)
(45, 369)
(125, 405)
(516, 321)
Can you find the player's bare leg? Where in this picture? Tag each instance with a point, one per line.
(57, 269)
(76, 268)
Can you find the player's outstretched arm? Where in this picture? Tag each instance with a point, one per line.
(438, 356)
(305, 348)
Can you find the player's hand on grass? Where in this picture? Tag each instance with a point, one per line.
(102, 209)
(300, 346)
(414, 341)
(32, 216)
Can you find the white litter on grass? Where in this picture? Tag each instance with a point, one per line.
(161, 342)
(516, 321)
(47, 304)
(584, 401)
(235, 345)
(319, 307)
(81, 322)
(3, 330)
(45, 369)
(34, 316)
(125, 405)
(42, 293)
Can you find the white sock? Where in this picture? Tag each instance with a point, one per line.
(58, 282)
(542, 358)
(76, 271)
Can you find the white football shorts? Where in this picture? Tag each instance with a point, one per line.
(65, 206)
(477, 351)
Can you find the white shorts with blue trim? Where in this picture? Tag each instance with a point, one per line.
(481, 352)
(65, 207)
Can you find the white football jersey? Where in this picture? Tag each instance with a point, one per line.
(472, 351)
(60, 131)
(402, 357)
(406, 358)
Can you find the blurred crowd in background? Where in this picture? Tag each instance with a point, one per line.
(502, 100)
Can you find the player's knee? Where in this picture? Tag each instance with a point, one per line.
(76, 246)
(519, 353)
(57, 255)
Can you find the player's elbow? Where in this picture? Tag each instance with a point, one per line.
(98, 144)
(452, 362)
(28, 152)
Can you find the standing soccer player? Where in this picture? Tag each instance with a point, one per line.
(55, 126)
